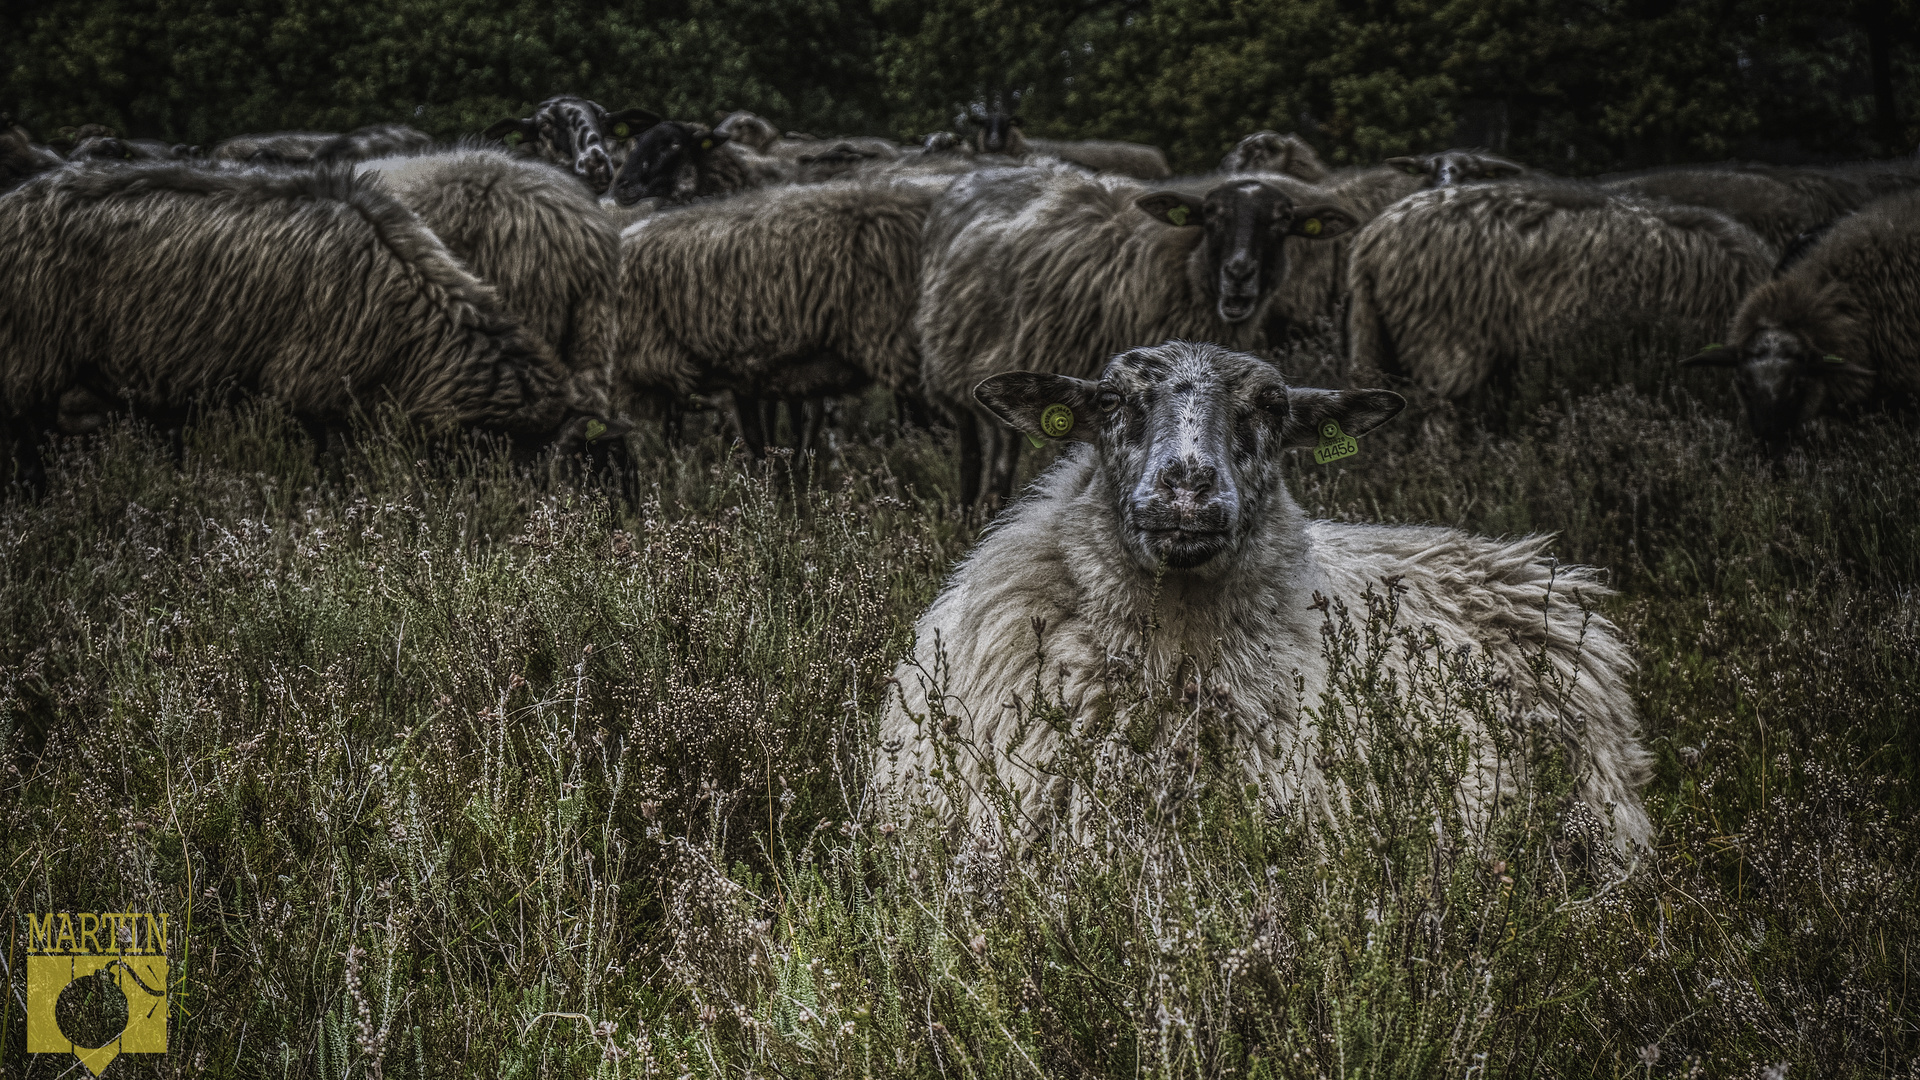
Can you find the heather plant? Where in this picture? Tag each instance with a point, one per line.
(448, 766)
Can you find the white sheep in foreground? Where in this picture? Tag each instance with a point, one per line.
(1171, 512)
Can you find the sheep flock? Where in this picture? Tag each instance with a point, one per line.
(570, 271)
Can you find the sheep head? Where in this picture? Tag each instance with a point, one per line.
(1784, 359)
(1188, 439)
(1450, 167)
(575, 133)
(1245, 223)
(665, 162)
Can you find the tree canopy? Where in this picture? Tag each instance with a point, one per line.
(1576, 86)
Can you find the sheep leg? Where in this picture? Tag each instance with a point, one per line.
(1006, 460)
(748, 417)
(972, 467)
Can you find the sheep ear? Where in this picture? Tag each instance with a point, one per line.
(633, 121)
(1171, 207)
(1713, 356)
(1413, 165)
(1356, 411)
(713, 140)
(1039, 404)
(1321, 222)
(505, 129)
(1839, 365)
(1491, 167)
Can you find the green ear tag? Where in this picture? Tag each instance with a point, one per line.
(1334, 444)
(1710, 348)
(1178, 215)
(1832, 359)
(706, 144)
(595, 429)
(513, 138)
(1312, 227)
(1056, 420)
(620, 131)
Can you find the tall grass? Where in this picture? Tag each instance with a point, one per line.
(448, 770)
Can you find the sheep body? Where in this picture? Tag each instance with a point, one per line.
(1776, 210)
(1839, 328)
(792, 292)
(167, 284)
(372, 141)
(1054, 565)
(1453, 284)
(533, 233)
(279, 147)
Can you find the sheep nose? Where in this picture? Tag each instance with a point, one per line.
(1194, 481)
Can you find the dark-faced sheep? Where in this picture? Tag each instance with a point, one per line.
(536, 236)
(1166, 536)
(793, 293)
(165, 286)
(1453, 286)
(1837, 330)
(677, 163)
(1049, 268)
(576, 134)
(999, 133)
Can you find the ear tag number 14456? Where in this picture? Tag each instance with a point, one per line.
(1334, 444)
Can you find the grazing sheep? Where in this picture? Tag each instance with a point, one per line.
(1775, 209)
(813, 159)
(165, 285)
(111, 148)
(1000, 133)
(1270, 151)
(1049, 268)
(279, 147)
(679, 162)
(1165, 541)
(794, 293)
(1837, 330)
(1453, 286)
(372, 141)
(576, 134)
(537, 237)
(21, 158)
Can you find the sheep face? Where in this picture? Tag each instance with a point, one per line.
(1245, 223)
(574, 133)
(1451, 167)
(999, 133)
(665, 163)
(1783, 379)
(749, 129)
(1188, 439)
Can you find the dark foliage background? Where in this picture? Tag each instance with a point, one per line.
(1579, 86)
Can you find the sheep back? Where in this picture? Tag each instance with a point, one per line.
(535, 235)
(1774, 209)
(170, 284)
(1451, 284)
(789, 291)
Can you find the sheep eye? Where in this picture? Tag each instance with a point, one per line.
(1107, 401)
(1272, 400)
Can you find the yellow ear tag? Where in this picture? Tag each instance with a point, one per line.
(706, 144)
(595, 429)
(513, 138)
(1334, 444)
(1832, 359)
(1056, 420)
(1312, 227)
(620, 131)
(1178, 215)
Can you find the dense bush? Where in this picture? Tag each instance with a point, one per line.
(1568, 85)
